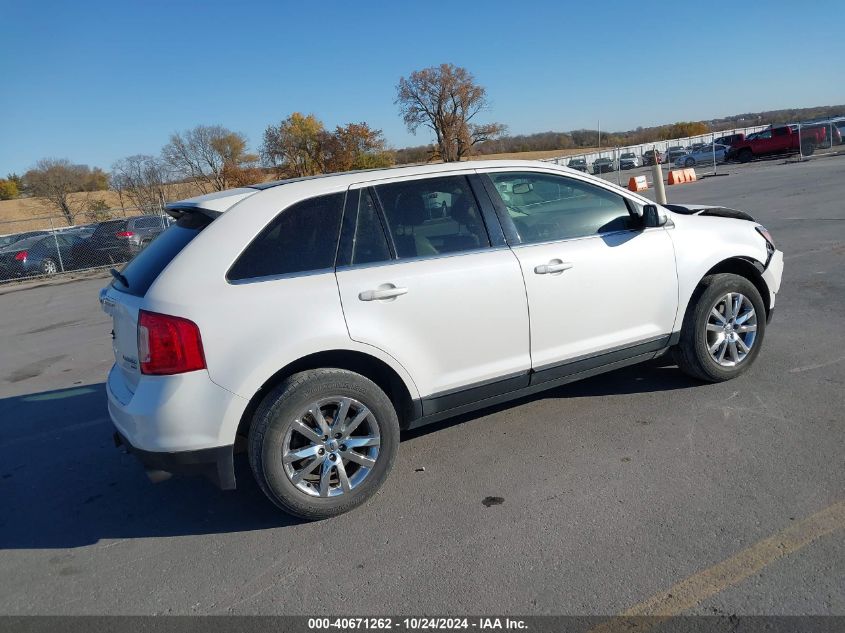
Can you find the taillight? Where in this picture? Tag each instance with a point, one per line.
(168, 344)
(21, 256)
(124, 234)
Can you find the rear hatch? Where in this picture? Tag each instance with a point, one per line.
(123, 299)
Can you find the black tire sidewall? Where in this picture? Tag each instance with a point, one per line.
(721, 285)
(277, 413)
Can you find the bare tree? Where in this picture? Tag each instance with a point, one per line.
(55, 179)
(206, 154)
(142, 179)
(446, 99)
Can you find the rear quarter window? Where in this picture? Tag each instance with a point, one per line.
(302, 238)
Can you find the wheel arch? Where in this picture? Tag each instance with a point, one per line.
(407, 408)
(747, 267)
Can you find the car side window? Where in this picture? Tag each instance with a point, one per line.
(369, 243)
(545, 207)
(433, 216)
(301, 238)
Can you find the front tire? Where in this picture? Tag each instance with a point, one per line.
(323, 442)
(689, 162)
(723, 329)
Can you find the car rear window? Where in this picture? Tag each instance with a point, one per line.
(146, 266)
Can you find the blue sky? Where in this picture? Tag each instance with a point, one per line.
(97, 81)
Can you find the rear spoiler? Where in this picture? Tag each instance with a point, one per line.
(176, 212)
(210, 205)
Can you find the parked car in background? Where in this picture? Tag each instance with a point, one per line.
(783, 139)
(834, 135)
(673, 152)
(730, 139)
(117, 241)
(650, 155)
(840, 127)
(578, 163)
(7, 240)
(602, 165)
(40, 255)
(702, 156)
(84, 231)
(628, 160)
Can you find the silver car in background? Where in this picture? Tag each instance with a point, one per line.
(702, 156)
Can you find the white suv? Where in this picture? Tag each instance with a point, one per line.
(308, 321)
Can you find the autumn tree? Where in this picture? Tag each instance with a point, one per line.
(55, 179)
(8, 189)
(207, 155)
(354, 146)
(142, 179)
(686, 128)
(294, 147)
(446, 100)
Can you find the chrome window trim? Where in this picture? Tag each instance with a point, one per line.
(303, 273)
(422, 258)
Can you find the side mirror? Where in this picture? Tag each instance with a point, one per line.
(653, 216)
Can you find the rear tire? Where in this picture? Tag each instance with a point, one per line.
(719, 342)
(49, 267)
(333, 475)
(745, 155)
(808, 148)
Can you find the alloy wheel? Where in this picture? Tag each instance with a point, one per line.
(331, 447)
(731, 329)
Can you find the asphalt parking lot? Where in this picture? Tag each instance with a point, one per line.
(614, 491)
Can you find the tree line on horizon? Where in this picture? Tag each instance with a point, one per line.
(445, 100)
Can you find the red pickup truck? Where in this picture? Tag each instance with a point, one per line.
(779, 140)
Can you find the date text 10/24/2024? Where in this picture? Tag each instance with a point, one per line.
(414, 624)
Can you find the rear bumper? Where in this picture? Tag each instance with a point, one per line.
(177, 424)
(215, 463)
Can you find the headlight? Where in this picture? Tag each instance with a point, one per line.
(762, 230)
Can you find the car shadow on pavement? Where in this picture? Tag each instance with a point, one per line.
(64, 484)
(660, 374)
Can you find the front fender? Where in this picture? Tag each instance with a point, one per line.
(703, 242)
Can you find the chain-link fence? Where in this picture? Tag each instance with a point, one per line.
(46, 245)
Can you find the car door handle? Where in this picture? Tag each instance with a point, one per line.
(390, 292)
(554, 266)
